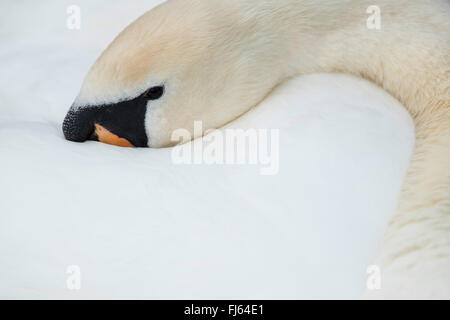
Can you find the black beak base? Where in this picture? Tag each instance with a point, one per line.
(125, 119)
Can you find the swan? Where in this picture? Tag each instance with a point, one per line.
(213, 60)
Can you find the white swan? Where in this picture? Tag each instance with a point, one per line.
(213, 60)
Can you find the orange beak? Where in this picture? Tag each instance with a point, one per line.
(107, 137)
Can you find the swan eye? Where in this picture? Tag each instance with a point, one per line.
(154, 93)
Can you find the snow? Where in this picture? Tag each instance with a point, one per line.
(139, 226)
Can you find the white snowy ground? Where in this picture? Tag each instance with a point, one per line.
(139, 226)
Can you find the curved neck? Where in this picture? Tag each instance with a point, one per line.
(309, 36)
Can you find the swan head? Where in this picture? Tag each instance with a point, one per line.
(175, 65)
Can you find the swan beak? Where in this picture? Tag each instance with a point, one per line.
(121, 124)
(106, 136)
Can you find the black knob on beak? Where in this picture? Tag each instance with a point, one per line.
(78, 125)
(120, 123)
